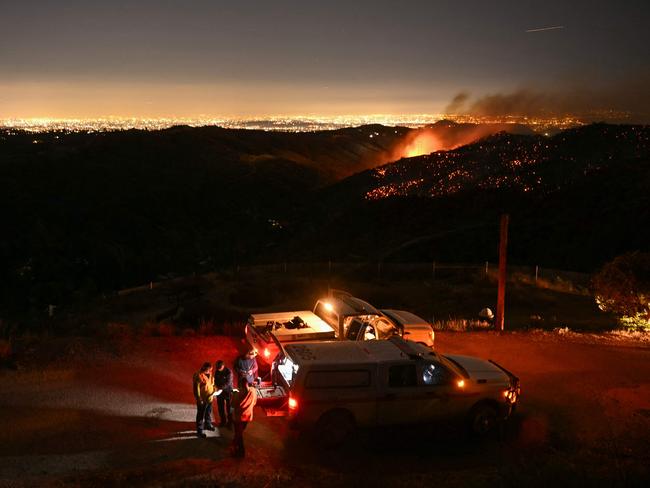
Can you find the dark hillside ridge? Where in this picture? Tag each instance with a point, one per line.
(576, 199)
(90, 213)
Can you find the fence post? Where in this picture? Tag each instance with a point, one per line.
(501, 293)
(487, 267)
(536, 272)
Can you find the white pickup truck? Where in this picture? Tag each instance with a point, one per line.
(338, 386)
(340, 316)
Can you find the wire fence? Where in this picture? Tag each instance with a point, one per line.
(412, 271)
(396, 272)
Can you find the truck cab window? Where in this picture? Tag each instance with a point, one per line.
(402, 376)
(369, 334)
(385, 329)
(353, 329)
(434, 374)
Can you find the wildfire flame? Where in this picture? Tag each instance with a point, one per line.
(423, 143)
(443, 136)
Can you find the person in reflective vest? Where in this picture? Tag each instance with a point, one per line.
(203, 387)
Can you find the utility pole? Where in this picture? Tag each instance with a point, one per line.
(501, 294)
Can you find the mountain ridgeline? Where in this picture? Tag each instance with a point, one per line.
(575, 199)
(85, 213)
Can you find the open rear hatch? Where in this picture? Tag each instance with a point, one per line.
(272, 398)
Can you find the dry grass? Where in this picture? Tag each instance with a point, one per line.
(461, 325)
(6, 351)
(153, 329)
(208, 328)
(118, 331)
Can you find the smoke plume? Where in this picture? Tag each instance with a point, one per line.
(624, 101)
(457, 103)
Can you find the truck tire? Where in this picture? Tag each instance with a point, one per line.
(334, 428)
(482, 420)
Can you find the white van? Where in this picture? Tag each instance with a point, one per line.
(337, 386)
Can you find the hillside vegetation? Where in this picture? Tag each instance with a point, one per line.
(85, 214)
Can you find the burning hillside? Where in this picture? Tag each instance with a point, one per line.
(500, 161)
(446, 135)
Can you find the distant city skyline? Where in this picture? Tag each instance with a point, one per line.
(83, 59)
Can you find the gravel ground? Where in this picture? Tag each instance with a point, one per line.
(121, 413)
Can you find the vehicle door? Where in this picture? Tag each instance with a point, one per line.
(355, 330)
(402, 400)
(385, 329)
(441, 393)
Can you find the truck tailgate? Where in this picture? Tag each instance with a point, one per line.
(267, 394)
(272, 399)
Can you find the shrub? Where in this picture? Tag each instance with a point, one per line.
(5, 351)
(158, 330)
(165, 330)
(622, 287)
(119, 331)
(207, 328)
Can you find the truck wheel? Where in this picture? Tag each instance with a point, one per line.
(334, 428)
(482, 419)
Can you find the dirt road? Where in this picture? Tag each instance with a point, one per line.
(123, 415)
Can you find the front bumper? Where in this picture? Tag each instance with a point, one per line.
(512, 393)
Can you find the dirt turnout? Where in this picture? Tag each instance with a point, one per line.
(108, 415)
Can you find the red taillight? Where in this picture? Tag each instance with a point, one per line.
(293, 403)
(267, 353)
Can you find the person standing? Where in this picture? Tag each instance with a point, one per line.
(223, 382)
(246, 368)
(244, 400)
(203, 388)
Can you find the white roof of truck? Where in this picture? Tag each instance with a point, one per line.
(351, 352)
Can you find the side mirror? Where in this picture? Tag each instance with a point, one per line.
(406, 333)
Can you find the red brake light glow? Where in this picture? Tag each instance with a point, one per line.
(293, 403)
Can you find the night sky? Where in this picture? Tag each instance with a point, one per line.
(190, 57)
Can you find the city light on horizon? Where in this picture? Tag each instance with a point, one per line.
(145, 60)
(421, 144)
